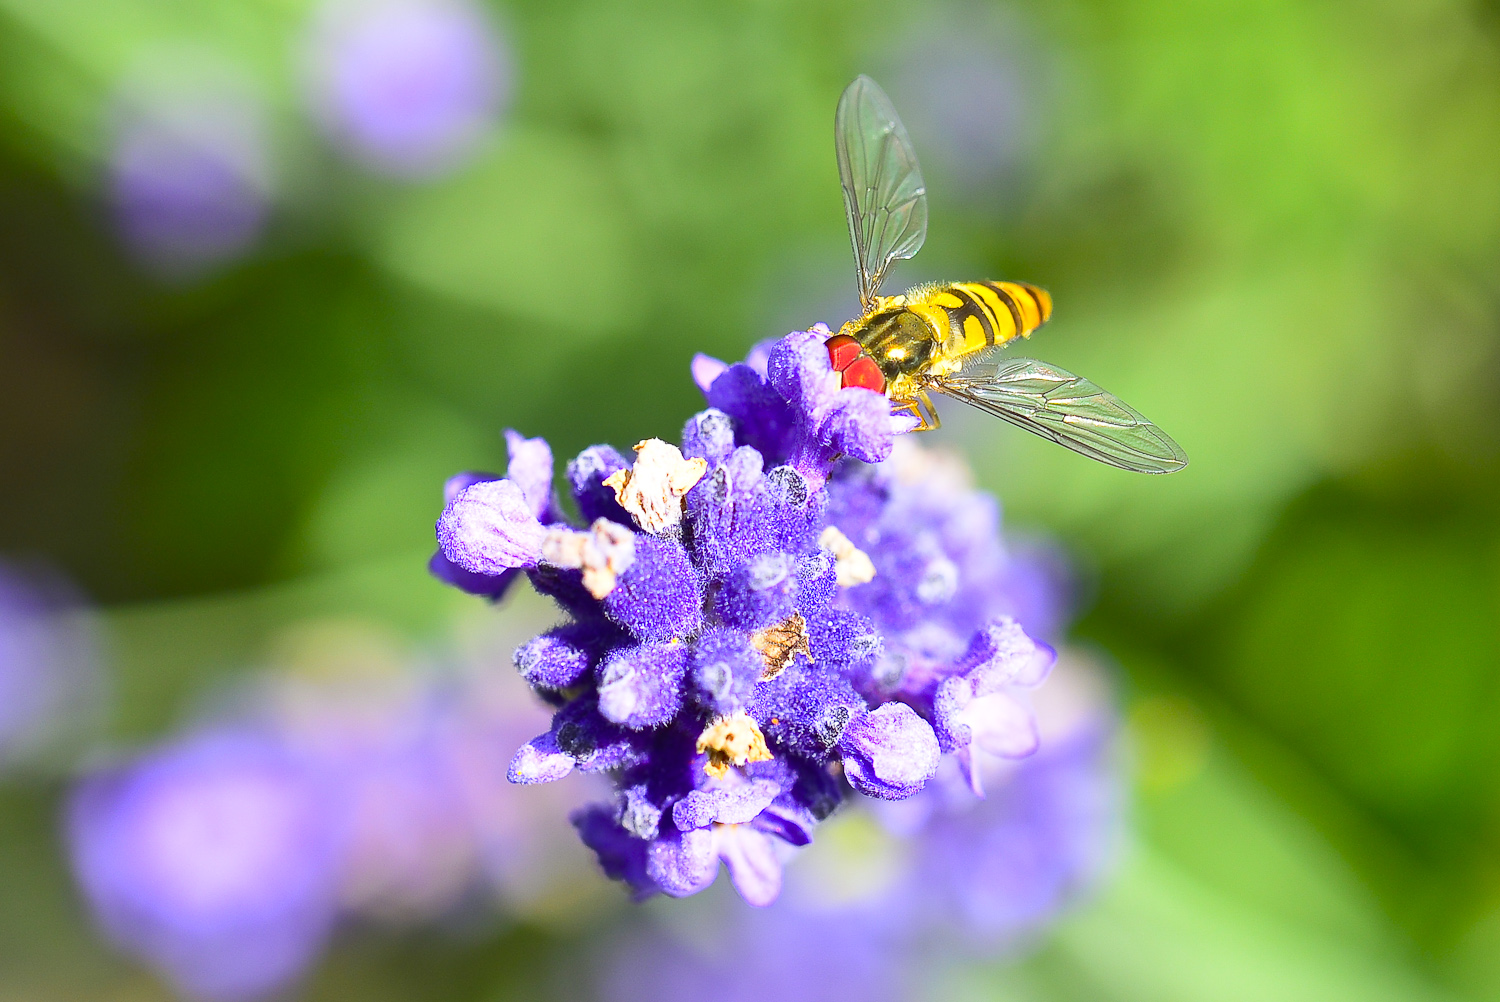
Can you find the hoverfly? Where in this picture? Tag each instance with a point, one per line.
(938, 337)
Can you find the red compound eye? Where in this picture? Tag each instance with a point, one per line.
(864, 372)
(842, 351)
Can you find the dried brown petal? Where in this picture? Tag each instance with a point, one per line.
(652, 489)
(604, 552)
(780, 643)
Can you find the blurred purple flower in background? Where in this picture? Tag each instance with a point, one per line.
(420, 755)
(754, 955)
(358, 787)
(50, 681)
(1000, 869)
(409, 852)
(190, 180)
(971, 81)
(215, 859)
(407, 87)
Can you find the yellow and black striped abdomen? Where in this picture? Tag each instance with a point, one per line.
(927, 331)
(979, 315)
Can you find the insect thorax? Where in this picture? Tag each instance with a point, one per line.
(909, 338)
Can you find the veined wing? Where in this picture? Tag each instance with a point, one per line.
(885, 198)
(1071, 411)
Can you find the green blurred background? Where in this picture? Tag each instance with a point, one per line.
(1272, 226)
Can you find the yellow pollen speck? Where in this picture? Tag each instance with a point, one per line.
(896, 353)
(733, 739)
(779, 643)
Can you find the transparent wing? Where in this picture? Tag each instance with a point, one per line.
(885, 198)
(1071, 411)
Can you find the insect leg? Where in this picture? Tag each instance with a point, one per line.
(919, 407)
(909, 408)
(929, 414)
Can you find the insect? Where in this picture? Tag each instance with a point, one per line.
(940, 337)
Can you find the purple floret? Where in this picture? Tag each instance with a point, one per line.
(725, 670)
(843, 640)
(683, 862)
(763, 421)
(561, 657)
(641, 687)
(759, 591)
(490, 528)
(621, 855)
(792, 409)
(531, 470)
(890, 753)
(490, 586)
(730, 688)
(729, 805)
(831, 419)
(708, 435)
(659, 597)
(540, 760)
(805, 711)
(586, 476)
(479, 556)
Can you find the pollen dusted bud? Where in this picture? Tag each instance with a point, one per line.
(890, 752)
(489, 527)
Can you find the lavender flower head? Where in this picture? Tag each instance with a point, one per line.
(190, 179)
(430, 820)
(760, 623)
(407, 87)
(213, 859)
